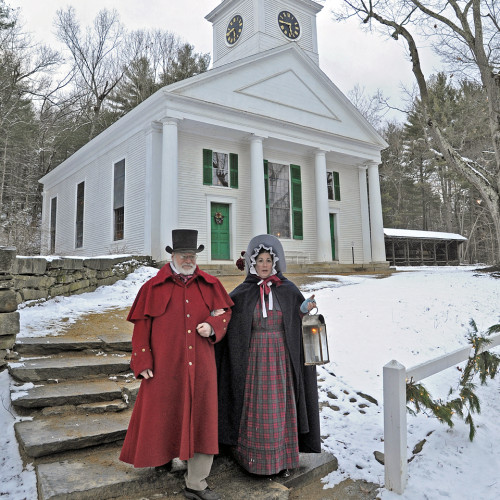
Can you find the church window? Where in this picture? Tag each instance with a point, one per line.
(333, 183)
(80, 203)
(53, 216)
(119, 200)
(283, 200)
(220, 169)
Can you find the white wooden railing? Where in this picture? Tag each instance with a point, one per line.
(395, 430)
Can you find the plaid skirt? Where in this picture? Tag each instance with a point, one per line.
(268, 439)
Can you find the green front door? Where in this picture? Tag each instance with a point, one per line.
(220, 231)
(332, 234)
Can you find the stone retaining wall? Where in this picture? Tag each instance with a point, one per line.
(9, 317)
(24, 279)
(37, 278)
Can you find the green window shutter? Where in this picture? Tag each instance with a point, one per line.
(336, 185)
(233, 170)
(207, 167)
(297, 222)
(266, 187)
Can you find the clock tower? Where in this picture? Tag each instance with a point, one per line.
(242, 28)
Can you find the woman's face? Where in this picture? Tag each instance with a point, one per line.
(264, 265)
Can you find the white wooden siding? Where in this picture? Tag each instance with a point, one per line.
(349, 230)
(194, 201)
(193, 198)
(98, 205)
(245, 10)
(273, 8)
(193, 193)
(307, 245)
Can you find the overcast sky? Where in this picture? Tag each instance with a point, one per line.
(347, 55)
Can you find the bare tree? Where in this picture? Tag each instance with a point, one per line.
(155, 59)
(96, 59)
(467, 33)
(373, 108)
(25, 76)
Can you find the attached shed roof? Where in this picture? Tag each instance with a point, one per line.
(422, 235)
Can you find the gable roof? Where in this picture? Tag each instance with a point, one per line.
(283, 84)
(280, 93)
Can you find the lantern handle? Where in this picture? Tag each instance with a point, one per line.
(315, 307)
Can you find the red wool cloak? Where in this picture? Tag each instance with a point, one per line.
(175, 414)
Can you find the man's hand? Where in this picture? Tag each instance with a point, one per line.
(147, 373)
(204, 329)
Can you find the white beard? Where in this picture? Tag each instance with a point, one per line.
(186, 270)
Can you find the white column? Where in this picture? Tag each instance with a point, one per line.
(152, 195)
(169, 218)
(376, 221)
(323, 236)
(257, 187)
(365, 215)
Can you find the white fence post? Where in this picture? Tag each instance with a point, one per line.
(396, 463)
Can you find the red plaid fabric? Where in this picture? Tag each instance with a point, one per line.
(268, 440)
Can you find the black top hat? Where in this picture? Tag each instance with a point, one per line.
(184, 240)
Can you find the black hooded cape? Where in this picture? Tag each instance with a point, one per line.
(232, 361)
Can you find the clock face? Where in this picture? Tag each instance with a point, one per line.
(234, 29)
(289, 25)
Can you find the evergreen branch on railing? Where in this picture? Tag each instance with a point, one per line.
(483, 363)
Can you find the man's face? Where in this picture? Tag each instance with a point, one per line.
(184, 262)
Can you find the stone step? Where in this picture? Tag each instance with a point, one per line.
(48, 435)
(97, 473)
(112, 342)
(67, 393)
(70, 366)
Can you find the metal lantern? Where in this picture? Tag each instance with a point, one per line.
(314, 339)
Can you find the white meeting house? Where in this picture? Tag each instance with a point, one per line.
(263, 142)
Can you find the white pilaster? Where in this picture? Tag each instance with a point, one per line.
(365, 215)
(152, 192)
(323, 237)
(169, 213)
(376, 221)
(257, 187)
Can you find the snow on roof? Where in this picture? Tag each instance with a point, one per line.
(413, 233)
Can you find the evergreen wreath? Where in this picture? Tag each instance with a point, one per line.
(485, 363)
(219, 218)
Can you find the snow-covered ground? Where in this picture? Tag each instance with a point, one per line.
(412, 316)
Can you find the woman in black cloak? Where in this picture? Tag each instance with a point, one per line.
(268, 398)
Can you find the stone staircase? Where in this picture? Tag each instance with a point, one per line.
(75, 393)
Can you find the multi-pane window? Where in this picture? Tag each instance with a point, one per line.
(283, 200)
(220, 169)
(333, 183)
(80, 202)
(53, 216)
(119, 200)
(279, 199)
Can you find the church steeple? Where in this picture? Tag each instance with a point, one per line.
(246, 27)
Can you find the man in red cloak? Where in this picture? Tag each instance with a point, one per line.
(178, 316)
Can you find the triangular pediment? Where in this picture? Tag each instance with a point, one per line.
(282, 84)
(299, 94)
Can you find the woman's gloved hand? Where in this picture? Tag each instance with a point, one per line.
(307, 305)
